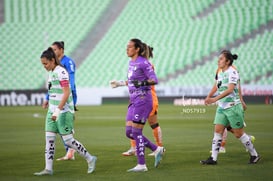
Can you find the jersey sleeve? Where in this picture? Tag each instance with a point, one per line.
(149, 71)
(233, 77)
(64, 78)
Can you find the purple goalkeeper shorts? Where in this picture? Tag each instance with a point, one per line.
(140, 108)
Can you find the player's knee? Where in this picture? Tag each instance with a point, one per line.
(229, 128)
(68, 139)
(153, 126)
(129, 133)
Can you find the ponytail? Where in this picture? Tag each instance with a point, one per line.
(148, 51)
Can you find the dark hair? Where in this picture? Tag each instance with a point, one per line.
(138, 44)
(49, 55)
(59, 44)
(229, 56)
(148, 51)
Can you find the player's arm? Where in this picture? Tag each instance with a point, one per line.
(229, 90)
(149, 72)
(241, 96)
(118, 83)
(45, 103)
(233, 80)
(212, 91)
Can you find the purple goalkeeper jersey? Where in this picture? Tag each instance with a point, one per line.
(140, 69)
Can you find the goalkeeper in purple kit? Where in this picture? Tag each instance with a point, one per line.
(140, 78)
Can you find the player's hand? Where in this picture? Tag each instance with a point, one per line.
(117, 83)
(114, 83)
(45, 104)
(244, 105)
(209, 100)
(56, 114)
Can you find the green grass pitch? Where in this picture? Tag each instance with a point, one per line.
(187, 134)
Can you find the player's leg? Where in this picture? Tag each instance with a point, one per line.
(141, 143)
(236, 117)
(142, 110)
(131, 151)
(50, 136)
(49, 154)
(223, 143)
(220, 122)
(65, 125)
(157, 133)
(82, 151)
(252, 138)
(70, 153)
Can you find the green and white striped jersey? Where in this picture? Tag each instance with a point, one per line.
(55, 91)
(230, 76)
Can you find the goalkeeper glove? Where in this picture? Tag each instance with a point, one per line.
(56, 114)
(138, 83)
(117, 83)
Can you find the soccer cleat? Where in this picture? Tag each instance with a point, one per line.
(138, 168)
(44, 172)
(254, 159)
(130, 152)
(209, 161)
(153, 153)
(92, 164)
(252, 139)
(65, 158)
(158, 155)
(69, 156)
(222, 150)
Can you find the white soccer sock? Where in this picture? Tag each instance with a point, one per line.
(246, 140)
(50, 150)
(76, 145)
(216, 144)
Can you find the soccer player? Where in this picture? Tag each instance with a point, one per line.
(157, 133)
(70, 66)
(224, 137)
(60, 115)
(140, 78)
(229, 111)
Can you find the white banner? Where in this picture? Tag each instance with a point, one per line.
(93, 96)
